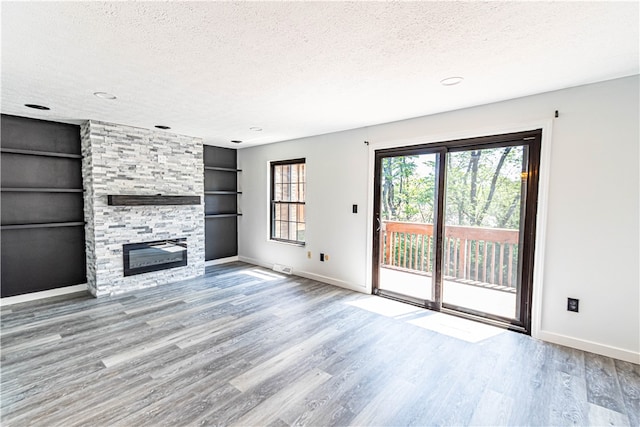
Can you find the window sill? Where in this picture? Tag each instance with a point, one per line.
(284, 242)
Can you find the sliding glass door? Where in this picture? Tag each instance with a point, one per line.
(485, 196)
(408, 188)
(454, 226)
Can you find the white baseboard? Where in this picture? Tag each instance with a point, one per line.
(330, 281)
(590, 346)
(43, 294)
(255, 262)
(221, 261)
(308, 275)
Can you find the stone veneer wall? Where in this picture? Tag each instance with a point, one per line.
(127, 160)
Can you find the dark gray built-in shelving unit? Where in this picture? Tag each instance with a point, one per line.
(221, 202)
(42, 220)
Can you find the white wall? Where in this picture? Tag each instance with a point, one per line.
(336, 179)
(588, 220)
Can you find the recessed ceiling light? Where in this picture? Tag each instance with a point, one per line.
(163, 127)
(451, 81)
(255, 128)
(236, 141)
(37, 107)
(104, 95)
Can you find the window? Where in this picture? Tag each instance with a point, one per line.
(288, 188)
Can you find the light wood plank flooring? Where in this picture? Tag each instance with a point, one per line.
(246, 346)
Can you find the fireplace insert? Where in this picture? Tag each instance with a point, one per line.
(153, 256)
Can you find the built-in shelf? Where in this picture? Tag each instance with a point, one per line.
(41, 225)
(222, 192)
(40, 153)
(156, 200)
(217, 168)
(221, 198)
(40, 190)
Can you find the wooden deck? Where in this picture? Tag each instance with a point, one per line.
(245, 346)
(481, 298)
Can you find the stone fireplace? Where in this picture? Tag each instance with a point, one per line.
(127, 161)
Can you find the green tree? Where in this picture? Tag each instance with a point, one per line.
(397, 172)
(483, 188)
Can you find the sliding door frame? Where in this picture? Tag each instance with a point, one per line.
(435, 302)
(532, 139)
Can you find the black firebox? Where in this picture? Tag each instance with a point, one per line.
(153, 256)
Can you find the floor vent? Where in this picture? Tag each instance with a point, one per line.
(282, 268)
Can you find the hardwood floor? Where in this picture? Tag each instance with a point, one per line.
(246, 346)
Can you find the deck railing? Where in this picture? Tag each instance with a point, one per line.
(474, 254)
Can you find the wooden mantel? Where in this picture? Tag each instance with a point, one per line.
(155, 200)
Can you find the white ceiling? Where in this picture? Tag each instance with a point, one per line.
(215, 69)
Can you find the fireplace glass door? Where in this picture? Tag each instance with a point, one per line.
(153, 256)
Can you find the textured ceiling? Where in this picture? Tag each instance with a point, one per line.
(215, 69)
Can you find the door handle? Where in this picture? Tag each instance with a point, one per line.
(378, 229)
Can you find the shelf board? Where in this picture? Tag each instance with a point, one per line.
(40, 190)
(218, 168)
(223, 215)
(222, 192)
(42, 225)
(157, 200)
(40, 153)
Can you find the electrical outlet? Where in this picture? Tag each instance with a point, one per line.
(309, 254)
(326, 257)
(322, 257)
(572, 304)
